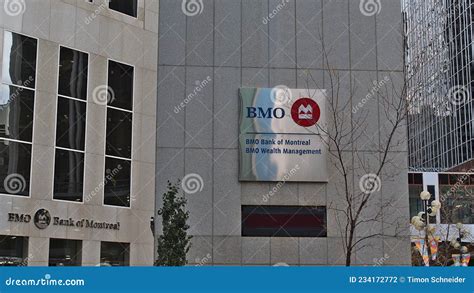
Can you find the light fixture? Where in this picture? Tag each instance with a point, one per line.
(425, 195)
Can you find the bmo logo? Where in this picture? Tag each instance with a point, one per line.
(305, 112)
(269, 113)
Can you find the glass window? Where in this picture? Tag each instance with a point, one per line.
(118, 150)
(114, 254)
(71, 124)
(73, 70)
(120, 80)
(13, 250)
(117, 182)
(128, 7)
(19, 60)
(119, 133)
(68, 175)
(443, 179)
(417, 178)
(16, 112)
(65, 252)
(458, 207)
(284, 221)
(15, 164)
(416, 205)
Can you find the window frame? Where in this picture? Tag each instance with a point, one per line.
(34, 89)
(78, 241)
(24, 248)
(57, 95)
(255, 208)
(127, 251)
(117, 11)
(132, 133)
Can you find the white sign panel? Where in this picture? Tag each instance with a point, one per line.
(280, 136)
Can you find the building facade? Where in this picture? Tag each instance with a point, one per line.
(211, 49)
(78, 97)
(438, 53)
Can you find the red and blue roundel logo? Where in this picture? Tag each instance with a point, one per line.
(305, 112)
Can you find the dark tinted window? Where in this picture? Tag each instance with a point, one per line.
(114, 254)
(15, 162)
(284, 221)
(71, 124)
(68, 175)
(119, 133)
(16, 112)
(128, 7)
(73, 73)
(121, 85)
(19, 60)
(117, 182)
(417, 178)
(13, 250)
(64, 252)
(443, 179)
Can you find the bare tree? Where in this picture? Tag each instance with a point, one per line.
(358, 210)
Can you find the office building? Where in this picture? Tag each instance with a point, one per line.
(77, 134)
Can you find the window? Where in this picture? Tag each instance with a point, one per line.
(118, 147)
(13, 250)
(19, 60)
(284, 221)
(15, 166)
(121, 82)
(17, 94)
(117, 182)
(70, 125)
(119, 133)
(73, 67)
(68, 175)
(128, 7)
(65, 252)
(114, 254)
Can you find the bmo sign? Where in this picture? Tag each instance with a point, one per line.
(280, 135)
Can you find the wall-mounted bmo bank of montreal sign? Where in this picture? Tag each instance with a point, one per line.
(280, 135)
